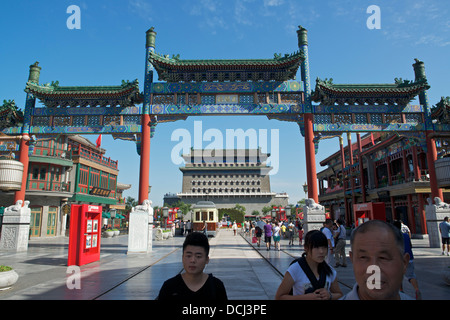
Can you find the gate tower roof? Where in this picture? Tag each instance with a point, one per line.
(53, 95)
(401, 92)
(280, 68)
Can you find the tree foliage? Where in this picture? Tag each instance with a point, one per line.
(235, 215)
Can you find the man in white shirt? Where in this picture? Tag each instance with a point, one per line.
(339, 248)
(379, 262)
(327, 231)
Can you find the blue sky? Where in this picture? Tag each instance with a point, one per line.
(110, 47)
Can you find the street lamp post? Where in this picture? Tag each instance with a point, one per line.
(274, 213)
(165, 215)
(287, 210)
(305, 189)
(112, 213)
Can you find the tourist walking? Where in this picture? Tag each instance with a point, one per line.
(258, 233)
(247, 227)
(310, 277)
(410, 274)
(276, 237)
(267, 234)
(188, 226)
(205, 228)
(339, 252)
(327, 231)
(300, 232)
(444, 228)
(290, 231)
(234, 227)
(283, 230)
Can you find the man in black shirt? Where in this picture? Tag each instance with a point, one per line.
(194, 284)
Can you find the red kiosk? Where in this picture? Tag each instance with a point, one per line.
(369, 211)
(85, 234)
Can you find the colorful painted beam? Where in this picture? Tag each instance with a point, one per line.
(392, 127)
(319, 109)
(226, 87)
(224, 109)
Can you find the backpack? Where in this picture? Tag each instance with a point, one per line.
(316, 284)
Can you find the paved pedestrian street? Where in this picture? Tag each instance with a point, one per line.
(248, 272)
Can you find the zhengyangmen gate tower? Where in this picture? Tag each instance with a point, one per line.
(229, 87)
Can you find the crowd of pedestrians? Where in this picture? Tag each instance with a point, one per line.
(313, 276)
(272, 232)
(331, 238)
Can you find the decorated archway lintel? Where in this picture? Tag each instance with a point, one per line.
(228, 87)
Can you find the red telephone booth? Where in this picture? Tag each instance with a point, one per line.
(172, 216)
(281, 213)
(85, 234)
(369, 211)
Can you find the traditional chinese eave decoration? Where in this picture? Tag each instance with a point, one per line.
(400, 93)
(54, 95)
(10, 115)
(280, 68)
(441, 112)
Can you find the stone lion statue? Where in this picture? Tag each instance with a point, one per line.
(15, 207)
(441, 204)
(145, 206)
(312, 205)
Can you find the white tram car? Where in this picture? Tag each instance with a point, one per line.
(205, 211)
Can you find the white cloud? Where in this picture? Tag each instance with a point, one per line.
(432, 39)
(273, 3)
(141, 8)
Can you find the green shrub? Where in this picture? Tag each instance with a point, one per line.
(5, 268)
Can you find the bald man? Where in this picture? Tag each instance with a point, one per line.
(379, 262)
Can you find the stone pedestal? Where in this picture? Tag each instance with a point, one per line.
(435, 214)
(16, 227)
(313, 216)
(150, 230)
(140, 228)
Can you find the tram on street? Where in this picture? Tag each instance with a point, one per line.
(205, 211)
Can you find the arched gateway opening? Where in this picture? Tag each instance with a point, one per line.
(266, 87)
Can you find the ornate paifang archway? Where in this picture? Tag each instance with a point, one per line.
(229, 87)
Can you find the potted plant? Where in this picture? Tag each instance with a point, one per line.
(116, 232)
(108, 233)
(8, 277)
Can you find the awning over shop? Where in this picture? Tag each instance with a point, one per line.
(107, 215)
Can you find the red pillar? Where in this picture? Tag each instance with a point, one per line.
(350, 149)
(362, 180)
(341, 145)
(431, 158)
(416, 164)
(145, 159)
(311, 174)
(24, 159)
(412, 221)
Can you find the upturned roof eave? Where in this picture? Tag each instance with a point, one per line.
(178, 63)
(128, 88)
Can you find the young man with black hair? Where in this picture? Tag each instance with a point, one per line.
(194, 284)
